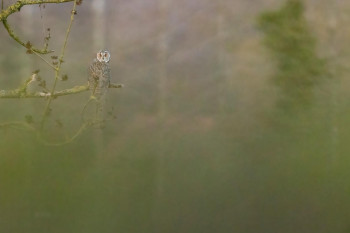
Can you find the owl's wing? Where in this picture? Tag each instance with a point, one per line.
(94, 75)
(101, 90)
(99, 80)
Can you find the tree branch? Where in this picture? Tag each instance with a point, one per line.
(19, 41)
(22, 93)
(17, 7)
(17, 125)
(57, 71)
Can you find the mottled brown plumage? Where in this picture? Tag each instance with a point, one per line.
(99, 79)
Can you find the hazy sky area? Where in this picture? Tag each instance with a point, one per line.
(234, 118)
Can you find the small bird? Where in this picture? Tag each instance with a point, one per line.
(99, 80)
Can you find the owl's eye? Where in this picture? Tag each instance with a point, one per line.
(106, 56)
(99, 57)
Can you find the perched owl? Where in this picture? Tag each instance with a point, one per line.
(99, 74)
(99, 79)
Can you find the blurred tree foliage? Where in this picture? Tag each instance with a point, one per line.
(293, 48)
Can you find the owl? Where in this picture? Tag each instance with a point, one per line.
(99, 78)
(99, 74)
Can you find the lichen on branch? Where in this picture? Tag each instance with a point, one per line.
(22, 92)
(16, 7)
(20, 3)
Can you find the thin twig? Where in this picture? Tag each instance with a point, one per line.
(44, 140)
(57, 71)
(84, 126)
(47, 62)
(21, 125)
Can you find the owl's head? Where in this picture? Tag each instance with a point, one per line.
(103, 56)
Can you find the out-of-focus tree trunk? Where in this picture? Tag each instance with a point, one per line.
(223, 67)
(334, 83)
(163, 9)
(162, 58)
(98, 8)
(99, 20)
(220, 34)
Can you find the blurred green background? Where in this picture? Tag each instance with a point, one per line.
(233, 118)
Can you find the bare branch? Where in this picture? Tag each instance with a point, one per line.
(113, 85)
(22, 93)
(20, 125)
(82, 128)
(17, 125)
(57, 71)
(17, 7)
(48, 63)
(20, 3)
(19, 41)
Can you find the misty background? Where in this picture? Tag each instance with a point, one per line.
(234, 118)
